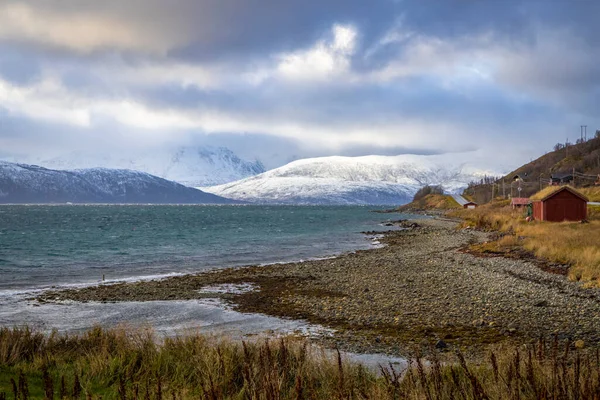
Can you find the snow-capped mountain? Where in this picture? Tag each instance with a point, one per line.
(352, 180)
(22, 183)
(190, 166)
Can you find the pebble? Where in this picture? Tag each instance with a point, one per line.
(420, 286)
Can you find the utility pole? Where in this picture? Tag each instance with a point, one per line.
(585, 132)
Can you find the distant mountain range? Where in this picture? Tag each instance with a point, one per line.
(217, 170)
(352, 180)
(189, 165)
(23, 183)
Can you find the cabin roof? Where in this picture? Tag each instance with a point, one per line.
(550, 191)
(520, 201)
(561, 176)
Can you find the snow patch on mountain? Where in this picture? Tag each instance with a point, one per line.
(22, 183)
(190, 166)
(352, 180)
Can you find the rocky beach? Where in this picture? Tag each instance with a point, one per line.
(422, 288)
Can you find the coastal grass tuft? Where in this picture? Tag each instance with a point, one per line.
(571, 243)
(134, 364)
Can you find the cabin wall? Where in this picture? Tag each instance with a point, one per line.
(564, 206)
(565, 209)
(538, 210)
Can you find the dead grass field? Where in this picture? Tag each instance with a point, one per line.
(573, 243)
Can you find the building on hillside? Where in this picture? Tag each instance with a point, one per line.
(561, 179)
(559, 204)
(517, 202)
(464, 202)
(470, 205)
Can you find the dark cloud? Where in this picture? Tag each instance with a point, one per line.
(230, 28)
(18, 66)
(539, 71)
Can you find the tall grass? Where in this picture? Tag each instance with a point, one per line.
(117, 364)
(592, 193)
(571, 243)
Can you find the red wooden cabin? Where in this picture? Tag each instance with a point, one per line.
(562, 204)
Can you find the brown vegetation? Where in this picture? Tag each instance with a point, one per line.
(549, 190)
(121, 364)
(432, 202)
(571, 243)
(592, 193)
(582, 157)
(426, 190)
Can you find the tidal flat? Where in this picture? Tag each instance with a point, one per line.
(422, 288)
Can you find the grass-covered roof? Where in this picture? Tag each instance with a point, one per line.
(550, 190)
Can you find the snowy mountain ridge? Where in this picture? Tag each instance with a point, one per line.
(353, 180)
(23, 183)
(190, 166)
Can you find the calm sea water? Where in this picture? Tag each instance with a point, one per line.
(42, 246)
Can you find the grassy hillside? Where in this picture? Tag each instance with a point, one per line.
(592, 193)
(583, 158)
(432, 202)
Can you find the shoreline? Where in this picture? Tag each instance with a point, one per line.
(420, 289)
(370, 242)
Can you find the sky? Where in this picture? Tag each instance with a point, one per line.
(501, 80)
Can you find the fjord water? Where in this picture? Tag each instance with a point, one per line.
(43, 246)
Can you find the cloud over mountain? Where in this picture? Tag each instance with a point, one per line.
(302, 78)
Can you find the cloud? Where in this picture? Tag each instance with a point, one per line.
(46, 101)
(317, 78)
(190, 29)
(82, 31)
(323, 60)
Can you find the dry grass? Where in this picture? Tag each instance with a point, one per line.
(592, 193)
(571, 243)
(433, 202)
(123, 365)
(547, 191)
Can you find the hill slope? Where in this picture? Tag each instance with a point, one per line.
(191, 166)
(350, 180)
(583, 158)
(22, 183)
